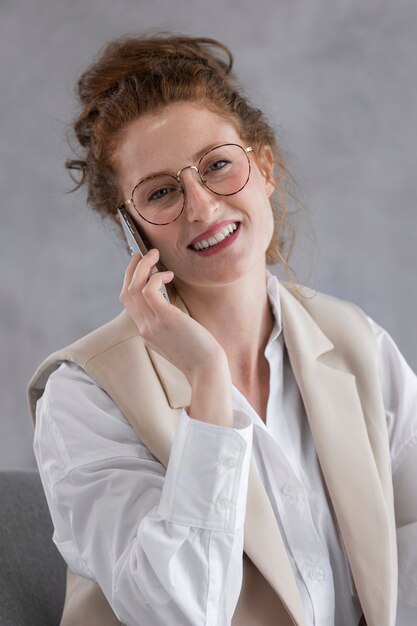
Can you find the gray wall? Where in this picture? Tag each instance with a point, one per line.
(338, 80)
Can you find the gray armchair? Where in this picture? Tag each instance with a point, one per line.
(32, 572)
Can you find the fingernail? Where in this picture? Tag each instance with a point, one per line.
(153, 252)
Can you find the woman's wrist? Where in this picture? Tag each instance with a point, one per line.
(211, 397)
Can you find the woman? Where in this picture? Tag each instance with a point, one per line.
(228, 456)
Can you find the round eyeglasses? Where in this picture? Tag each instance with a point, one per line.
(223, 170)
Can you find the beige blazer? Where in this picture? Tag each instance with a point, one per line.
(332, 352)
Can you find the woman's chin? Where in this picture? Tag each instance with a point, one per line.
(220, 276)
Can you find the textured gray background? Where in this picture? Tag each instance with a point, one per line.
(338, 80)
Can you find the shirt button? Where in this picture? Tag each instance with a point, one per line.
(222, 504)
(318, 573)
(228, 461)
(289, 489)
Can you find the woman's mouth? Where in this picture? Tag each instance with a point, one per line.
(224, 238)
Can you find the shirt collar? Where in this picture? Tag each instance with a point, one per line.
(272, 285)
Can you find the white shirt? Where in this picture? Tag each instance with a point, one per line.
(166, 546)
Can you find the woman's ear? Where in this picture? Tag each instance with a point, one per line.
(266, 164)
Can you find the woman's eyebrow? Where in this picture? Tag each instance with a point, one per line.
(197, 156)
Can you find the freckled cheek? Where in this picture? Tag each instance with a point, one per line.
(155, 238)
(168, 254)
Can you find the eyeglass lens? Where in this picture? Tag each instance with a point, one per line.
(224, 171)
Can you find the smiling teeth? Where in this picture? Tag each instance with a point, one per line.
(211, 241)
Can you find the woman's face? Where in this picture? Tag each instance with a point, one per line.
(171, 139)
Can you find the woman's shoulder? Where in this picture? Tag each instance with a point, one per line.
(69, 385)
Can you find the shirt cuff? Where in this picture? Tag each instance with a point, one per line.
(206, 480)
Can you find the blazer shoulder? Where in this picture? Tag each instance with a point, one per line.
(100, 340)
(324, 304)
(342, 321)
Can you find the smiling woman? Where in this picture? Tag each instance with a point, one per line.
(230, 454)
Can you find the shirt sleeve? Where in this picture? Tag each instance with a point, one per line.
(399, 389)
(165, 546)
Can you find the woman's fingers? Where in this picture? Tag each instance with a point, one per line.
(137, 273)
(128, 275)
(152, 290)
(141, 295)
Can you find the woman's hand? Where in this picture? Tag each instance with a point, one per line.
(178, 338)
(163, 327)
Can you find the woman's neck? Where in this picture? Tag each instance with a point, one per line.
(239, 316)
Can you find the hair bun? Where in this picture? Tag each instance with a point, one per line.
(204, 45)
(128, 56)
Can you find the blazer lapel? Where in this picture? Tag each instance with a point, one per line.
(339, 431)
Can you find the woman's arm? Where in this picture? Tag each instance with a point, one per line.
(399, 390)
(165, 547)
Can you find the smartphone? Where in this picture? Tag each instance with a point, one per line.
(135, 242)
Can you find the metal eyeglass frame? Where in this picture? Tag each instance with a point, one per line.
(177, 178)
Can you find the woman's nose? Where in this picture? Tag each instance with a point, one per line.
(200, 202)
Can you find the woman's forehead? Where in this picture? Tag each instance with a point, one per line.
(165, 138)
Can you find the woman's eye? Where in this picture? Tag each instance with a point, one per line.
(218, 165)
(221, 166)
(158, 194)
